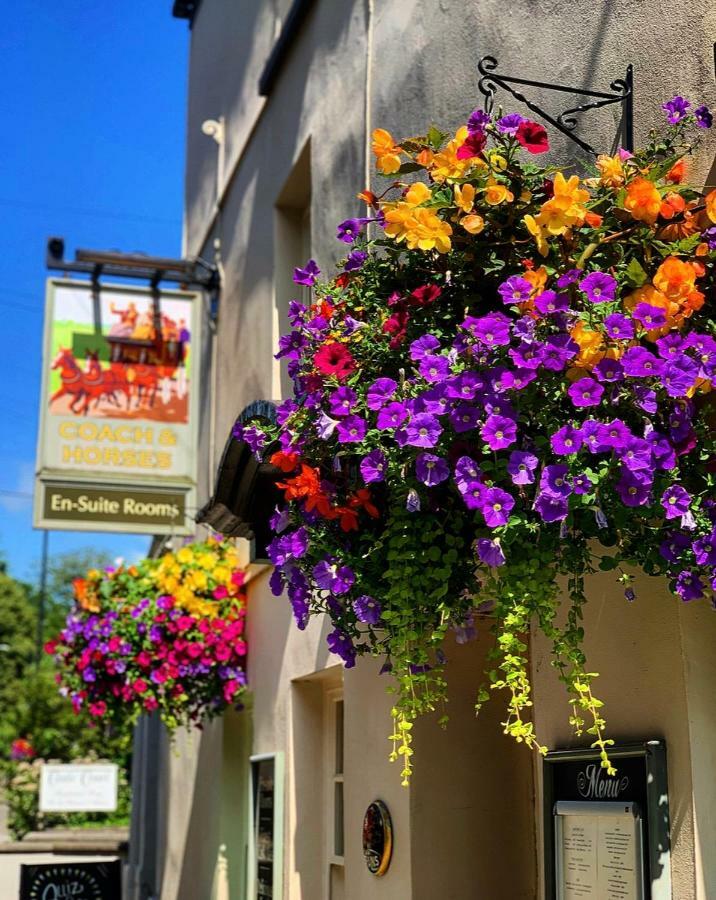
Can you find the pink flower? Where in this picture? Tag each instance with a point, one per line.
(220, 592)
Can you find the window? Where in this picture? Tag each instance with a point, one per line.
(334, 756)
(266, 828)
(292, 241)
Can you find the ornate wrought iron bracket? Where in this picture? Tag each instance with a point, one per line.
(621, 91)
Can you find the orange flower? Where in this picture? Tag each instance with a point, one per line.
(284, 460)
(591, 345)
(594, 220)
(643, 200)
(305, 484)
(676, 173)
(675, 278)
(672, 205)
(710, 201)
(362, 500)
(682, 226)
(367, 197)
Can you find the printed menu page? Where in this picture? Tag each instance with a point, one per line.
(599, 857)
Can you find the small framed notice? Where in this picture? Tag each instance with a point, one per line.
(78, 787)
(598, 851)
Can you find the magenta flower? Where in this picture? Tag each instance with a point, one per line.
(679, 376)
(521, 467)
(599, 287)
(431, 469)
(424, 346)
(492, 330)
(496, 507)
(585, 392)
(609, 370)
(676, 501)
(498, 432)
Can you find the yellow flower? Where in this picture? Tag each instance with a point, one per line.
(198, 579)
(445, 164)
(221, 574)
(537, 278)
(473, 223)
(590, 345)
(464, 197)
(611, 170)
(496, 193)
(417, 193)
(207, 560)
(386, 151)
(497, 162)
(185, 555)
(538, 234)
(419, 227)
(566, 207)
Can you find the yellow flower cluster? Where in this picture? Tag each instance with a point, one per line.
(562, 212)
(417, 225)
(198, 575)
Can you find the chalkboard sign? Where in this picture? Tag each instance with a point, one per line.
(75, 880)
(607, 836)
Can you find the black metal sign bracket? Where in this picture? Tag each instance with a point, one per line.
(621, 92)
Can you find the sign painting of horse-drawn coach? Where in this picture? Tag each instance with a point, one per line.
(118, 408)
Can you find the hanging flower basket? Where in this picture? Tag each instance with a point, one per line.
(164, 635)
(506, 388)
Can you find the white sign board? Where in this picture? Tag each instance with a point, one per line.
(79, 787)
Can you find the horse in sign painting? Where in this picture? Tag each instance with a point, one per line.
(72, 379)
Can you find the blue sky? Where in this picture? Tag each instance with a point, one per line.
(92, 119)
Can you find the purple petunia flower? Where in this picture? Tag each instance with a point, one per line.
(465, 386)
(478, 121)
(554, 481)
(492, 330)
(510, 123)
(367, 609)
(342, 401)
(392, 415)
(329, 576)
(515, 290)
(355, 260)
(599, 287)
(435, 401)
(703, 117)
(585, 392)
(466, 471)
(558, 350)
(609, 370)
(705, 549)
(373, 466)
(431, 469)
(568, 277)
(673, 547)
(342, 645)
(473, 493)
(549, 302)
(634, 488)
(675, 109)
(619, 327)
(676, 501)
(434, 368)
(527, 355)
(380, 392)
(551, 509)
(689, 586)
(423, 430)
(464, 417)
(490, 552)
(498, 432)
(636, 454)
(349, 230)
(679, 376)
(710, 237)
(325, 426)
(649, 316)
(351, 430)
(496, 507)
(608, 436)
(639, 363)
(582, 483)
(412, 502)
(645, 398)
(308, 274)
(424, 346)
(521, 467)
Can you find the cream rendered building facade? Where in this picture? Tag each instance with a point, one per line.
(285, 170)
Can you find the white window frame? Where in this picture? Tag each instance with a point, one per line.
(278, 820)
(332, 698)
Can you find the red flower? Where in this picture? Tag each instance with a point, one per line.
(473, 146)
(284, 460)
(425, 295)
(50, 647)
(140, 685)
(334, 359)
(532, 137)
(396, 325)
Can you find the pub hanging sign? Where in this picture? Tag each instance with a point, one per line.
(607, 837)
(119, 407)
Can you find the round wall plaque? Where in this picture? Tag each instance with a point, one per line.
(377, 838)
